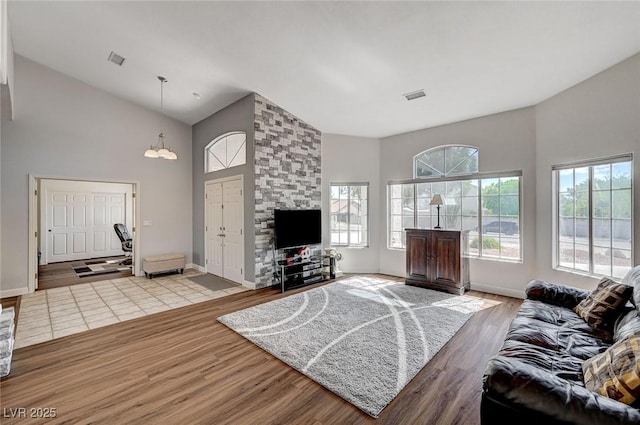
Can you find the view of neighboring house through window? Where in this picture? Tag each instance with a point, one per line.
(349, 214)
(593, 216)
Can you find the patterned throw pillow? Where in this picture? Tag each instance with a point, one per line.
(600, 307)
(616, 372)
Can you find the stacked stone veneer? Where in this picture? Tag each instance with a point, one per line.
(287, 175)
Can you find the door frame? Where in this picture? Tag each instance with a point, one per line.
(34, 207)
(46, 185)
(206, 254)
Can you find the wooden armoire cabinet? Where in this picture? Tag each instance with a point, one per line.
(437, 259)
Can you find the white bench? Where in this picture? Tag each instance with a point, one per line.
(163, 263)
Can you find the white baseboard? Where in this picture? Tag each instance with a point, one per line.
(195, 266)
(14, 292)
(514, 293)
(247, 284)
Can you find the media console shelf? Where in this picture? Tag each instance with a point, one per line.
(294, 274)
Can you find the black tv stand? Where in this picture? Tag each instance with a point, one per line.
(295, 274)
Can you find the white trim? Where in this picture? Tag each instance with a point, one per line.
(218, 140)
(48, 186)
(498, 290)
(13, 292)
(196, 267)
(33, 223)
(4, 41)
(250, 285)
(444, 148)
(32, 262)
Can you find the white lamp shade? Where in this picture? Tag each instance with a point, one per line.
(151, 153)
(164, 153)
(438, 199)
(172, 155)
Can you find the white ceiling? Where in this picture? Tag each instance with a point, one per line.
(341, 66)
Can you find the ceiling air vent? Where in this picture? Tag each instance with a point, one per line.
(116, 58)
(415, 94)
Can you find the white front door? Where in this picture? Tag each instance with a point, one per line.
(224, 236)
(213, 228)
(232, 244)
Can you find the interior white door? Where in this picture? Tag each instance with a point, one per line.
(68, 233)
(232, 221)
(78, 224)
(213, 228)
(224, 229)
(106, 210)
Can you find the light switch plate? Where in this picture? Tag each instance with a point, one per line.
(147, 223)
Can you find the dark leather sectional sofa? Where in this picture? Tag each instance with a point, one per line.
(537, 378)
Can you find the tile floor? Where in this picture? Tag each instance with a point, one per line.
(58, 312)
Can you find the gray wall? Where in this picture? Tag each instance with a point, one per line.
(287, 175)
(506, 142)
(66, 129)
(3, 111)
(235, 117)
(349, 159)
(596, 118)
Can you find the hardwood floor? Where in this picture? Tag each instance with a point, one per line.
(184, 367)
(57, 275)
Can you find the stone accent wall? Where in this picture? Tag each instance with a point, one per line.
(287, 175)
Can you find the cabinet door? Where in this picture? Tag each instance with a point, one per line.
(417, 256)
(446, 250)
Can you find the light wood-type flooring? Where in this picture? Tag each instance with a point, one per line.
(184, 367)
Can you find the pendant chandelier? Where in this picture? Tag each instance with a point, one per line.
(159, 150)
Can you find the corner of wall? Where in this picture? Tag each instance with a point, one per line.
(287, 174)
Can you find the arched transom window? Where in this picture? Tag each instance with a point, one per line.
(445, 161)
(226, 151)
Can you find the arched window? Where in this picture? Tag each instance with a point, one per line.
(226, 151)
(445, 161)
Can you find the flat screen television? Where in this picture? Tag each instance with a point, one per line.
(297, 228)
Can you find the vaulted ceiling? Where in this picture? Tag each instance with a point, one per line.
(341, 66)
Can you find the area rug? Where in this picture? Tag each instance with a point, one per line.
(92, 268)
(213, 282)
(362, 338)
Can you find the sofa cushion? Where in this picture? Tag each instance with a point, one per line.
(627, 324)
(601, 307)
(552, 293)
(553, 314)
(557, 363)
(558, 329)
(616, 372)
(632, 278)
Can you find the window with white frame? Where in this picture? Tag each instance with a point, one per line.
(445, 161)
(593, 216)
(349, 212)
(488, 206)
(226, 151)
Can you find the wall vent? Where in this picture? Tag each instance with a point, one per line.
(415, 94)
(116, 58)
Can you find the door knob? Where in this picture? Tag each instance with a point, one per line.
(49, 229)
